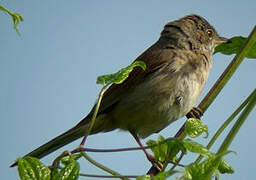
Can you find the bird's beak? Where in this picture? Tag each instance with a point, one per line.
(221, 40)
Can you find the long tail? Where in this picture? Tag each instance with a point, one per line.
(72, 134)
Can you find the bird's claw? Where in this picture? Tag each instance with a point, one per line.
(158, 165)
(195, 112)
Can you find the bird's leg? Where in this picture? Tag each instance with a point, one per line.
(83, 140)
(156, 164)
(195, 112)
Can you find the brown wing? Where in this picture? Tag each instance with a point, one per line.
(154, 57)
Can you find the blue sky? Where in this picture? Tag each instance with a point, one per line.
(48, 74)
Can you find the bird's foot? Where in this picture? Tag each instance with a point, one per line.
(158, 165)
(195, 112)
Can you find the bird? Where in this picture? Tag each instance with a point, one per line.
(177, 67)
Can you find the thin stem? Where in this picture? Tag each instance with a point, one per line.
(104, 168)
(6, 10)
(174, 166)
(113, 150)
(104, 176)
(231, 135)
(226, 123)
(56, 162)
(80, 149)
(94, 115)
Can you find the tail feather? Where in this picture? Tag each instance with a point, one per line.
(61, 140)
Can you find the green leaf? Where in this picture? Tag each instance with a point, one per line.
(154, 148)
(15, 17)
(162, 149)
(164, 175)
(159, 148)
(120, 76)
(196, 148)
(195, 127)
(70, 171)
(225, 168)
(166, 149)
(145, 177)
(55, 174)
(159, 176)
(32, 168)
(204, 170)
(234, 46)
(174, 146)
(67, 159)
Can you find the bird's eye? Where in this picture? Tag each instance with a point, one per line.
(209, 32)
